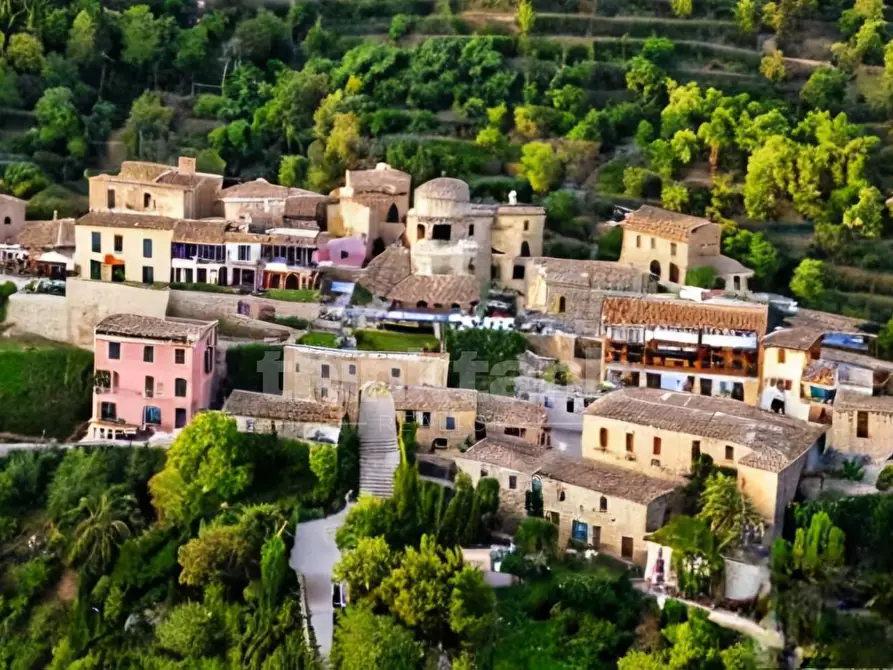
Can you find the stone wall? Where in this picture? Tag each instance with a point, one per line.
(38, 314)
(89, 302)
(210, 306)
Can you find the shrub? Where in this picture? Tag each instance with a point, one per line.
(208, 106)
(702, 276)
(401, 24)
(24, 179)
(58, 200)
(535, 535)
(885, 479)
(207, 288)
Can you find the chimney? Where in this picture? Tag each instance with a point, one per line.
(55, 214)
(186, 165)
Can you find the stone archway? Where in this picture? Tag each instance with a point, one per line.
(291, 281)
(654, 269)
(393, 214)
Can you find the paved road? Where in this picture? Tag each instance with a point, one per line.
(313, 555)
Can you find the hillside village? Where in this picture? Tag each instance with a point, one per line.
(445, 335)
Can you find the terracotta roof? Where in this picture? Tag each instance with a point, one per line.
(269, 406)
(664, 224)
(776, 440)
(199, 232)
(506, 411)
(444, 188)
(825, 321)
(512, 453)
(598, 275)
(304, 206)
(607, 479)
(261, 188)
(624, 310)
(134, 325)
(174, 178)
(801, 339)
(727, 266)
(434, 398)
(856, 359)
(443, 290)
(45, 234)
(386, 270)
(847, 401)
(117, 220)
(383, 179)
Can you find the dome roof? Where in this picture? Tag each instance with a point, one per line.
(444, 188)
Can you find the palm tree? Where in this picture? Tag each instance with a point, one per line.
(101, 531)
(728, 511)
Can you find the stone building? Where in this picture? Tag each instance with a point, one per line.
(111, 246)
(447, 234)
(504, 415)
(445, 417)
(53, 239)
(661, 433)
(158, 190)
(597, 505)
(862, 425)
(12, 218)
(438, 294)
(572, 290)
(708, 348)
(668, 245)
(337, 375)
(151, 374)
(261, 201)
(305, 420)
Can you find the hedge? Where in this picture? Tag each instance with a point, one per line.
(293, 295)
(341, 10)
(676, 29)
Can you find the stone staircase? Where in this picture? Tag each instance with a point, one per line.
(379, 451)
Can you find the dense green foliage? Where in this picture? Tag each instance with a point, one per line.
(486, 360)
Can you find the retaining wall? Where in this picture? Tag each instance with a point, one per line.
(210, 306)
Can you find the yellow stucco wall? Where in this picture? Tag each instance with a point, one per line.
(131, 254)
(791, 369)
(426, 435)
(508, 236)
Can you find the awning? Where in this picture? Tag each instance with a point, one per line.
(111, 260)
(55, 258)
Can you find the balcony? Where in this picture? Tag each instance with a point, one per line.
(680, 357)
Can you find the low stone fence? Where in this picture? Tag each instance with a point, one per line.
(210, 306)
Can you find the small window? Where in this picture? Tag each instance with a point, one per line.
(147, 248)
(180, 388)
(150, 387)
(861, 424)
(562, 496)
(626, 547)
(108, 411)
(655, 462)
(180, 356)
(653, 243)
(525, 249)
(451, 423)
(119, 243)
(656, 446)
(603, 504)
(781, 355)
(513, 481)
(152, 415)
(695, 450)
(179, 417)
(344, 254)
(548, 403)
(442, 232)
(114, 350)
(629, 443)
(570, 405)
(562, 305)
(249, 425)
(408, 416)
(96, 242)
(484, 472)
(706, 386)
(324, 371)
(147, 200)
(730, 453)
(638, 241)
(518, 272)
(209, 362)
(148, 354)
(95, 270)
(672, 248)
(7, 221)
(580, 531)
(526, 226)
(323, 393)
(471, 230)
(148, 275)
(110, 198)
(603, 438)
(297, 367)
(351, 369)
(426, 419)
(395, 373)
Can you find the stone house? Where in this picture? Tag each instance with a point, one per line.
(445, 417)
(12, 218)
(151, 374)
(709, 348)
(337, 375)
(111, 246)
(305, 420)
(602, 506)
(863, 425)
(158, 190)
(661, 433)
(504, 415)
(259, 200)
(39, 238)
(669, 244)
(517, 234)
(437, 294)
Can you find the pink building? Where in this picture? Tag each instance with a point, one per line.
(342, 251)
(151, 374)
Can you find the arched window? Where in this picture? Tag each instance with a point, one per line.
(603, 438)
(561, 496)
(562, 305)
(6, 221)
(420, 232)
(603, 504)
(421, 303)
(655, 269)
(455, 305)
(674, 273)
(393, 214)
(525, 249)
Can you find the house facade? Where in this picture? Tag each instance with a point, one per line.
(12, 218)
(151, 374)
(304, 420)
(157, 190)
(706, 348)
(862, 425)
(444, 417)
(661, 433)
(669, 244)
(110, 246)
(259, 200)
